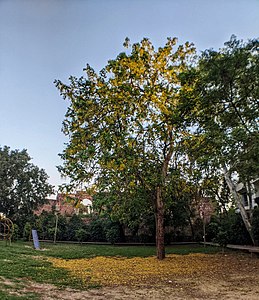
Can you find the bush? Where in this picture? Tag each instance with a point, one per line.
(51, 232)
(255, 225)
(15, 235)
(228, 228)
(44, 223)
(112, 234)
(82, 235)
(237, 231)
(198, 230)
(74, 223)
(27, 231)
(222, 238)
(96, 231)
(212, 230)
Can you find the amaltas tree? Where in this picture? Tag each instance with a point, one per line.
(23, 186)
(125, 124)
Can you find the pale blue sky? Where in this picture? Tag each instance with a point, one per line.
(43, 40)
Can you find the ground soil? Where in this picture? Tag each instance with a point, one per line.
(237, 279)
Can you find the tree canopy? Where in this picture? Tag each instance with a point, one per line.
(152, 121)
(228, 114)
(126, 122)
(23, 186)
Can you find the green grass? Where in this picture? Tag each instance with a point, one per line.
(20, 262)
(75, 251)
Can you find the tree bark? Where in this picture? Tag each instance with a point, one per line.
(239, 203)
(160, 206)
(160, 230)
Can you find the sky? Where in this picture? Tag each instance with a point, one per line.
(44, 40)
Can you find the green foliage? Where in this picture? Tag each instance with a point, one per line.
(229, 228)
(15, 235)
(255, 225)
(112, 234)
(27, 231)
(155, 132)
(73, 228)
(125, 123)
(44, 224)
(62, 228)
(198, 229)
(227, 137)
(238, 233)
(81, 235)
(75, 223)
(212, 229)
(23, 186)
(222, 238)
(228, 107)
(231, 73)
(97, 231)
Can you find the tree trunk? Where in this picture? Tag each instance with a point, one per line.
(238, 200)
(160, 206)
(160, 230)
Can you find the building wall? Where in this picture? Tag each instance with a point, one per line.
(66, 208)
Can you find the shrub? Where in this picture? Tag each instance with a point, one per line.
(81, 235)
(236, 229)
(96, 231)
(15, 235)
(73, 225)
(222, 238)
(212, 230)
(255, 225)
(27, 231)
(112, 234)
(229, 228)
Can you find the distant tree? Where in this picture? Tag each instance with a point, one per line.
(23, 186)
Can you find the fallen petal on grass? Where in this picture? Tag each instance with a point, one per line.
(109, 271)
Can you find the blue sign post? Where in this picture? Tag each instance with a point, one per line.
(35, 239)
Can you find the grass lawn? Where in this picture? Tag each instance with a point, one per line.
(20, 262)
(76, 251)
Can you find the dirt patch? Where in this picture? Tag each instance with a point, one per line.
(5, 281)
(179, 290)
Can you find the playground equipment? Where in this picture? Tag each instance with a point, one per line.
(6, 229)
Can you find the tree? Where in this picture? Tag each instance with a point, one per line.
(228, 114)
(206, 210)
(125, 123)
(23, 186)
